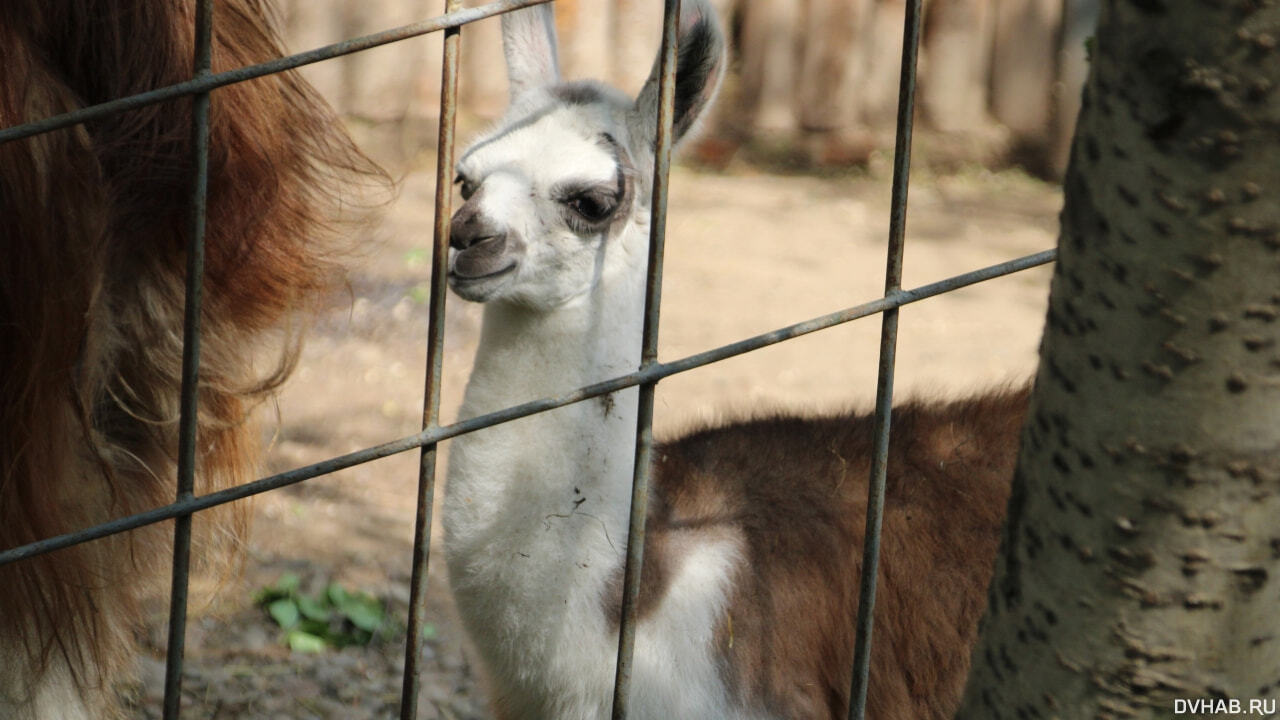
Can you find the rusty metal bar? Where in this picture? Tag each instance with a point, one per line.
(411, 682)
(230, 77)
(653, 372)
(188, 421)
(888, 352)
(648, 359)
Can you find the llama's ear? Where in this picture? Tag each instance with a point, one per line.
(699, 69)
(529, 42)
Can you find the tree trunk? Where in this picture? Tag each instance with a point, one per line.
(1142, 533)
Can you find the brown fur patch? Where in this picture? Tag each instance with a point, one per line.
(794, 490)
(93, 226)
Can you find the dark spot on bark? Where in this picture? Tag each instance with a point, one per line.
(1254, 343)
(988, 701)
(1056, 373)
(1121, 274)
(1251, 579)
(1165, 128)
(1158, 370)
(1180, 454)
(1236, 383)
(1265, 313)
(1091, 150)
(989, 658)
(1151, 7)
(1125, 194)
(1259, 89)
(1095, 362)
(1207, 263)
(1060, 463)
(1138, 560)
(1007, 661)
(1056, 499)
(1049, 616)
(1219, 322)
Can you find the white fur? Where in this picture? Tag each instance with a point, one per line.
(536, 510)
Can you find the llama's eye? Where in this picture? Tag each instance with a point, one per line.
(591, 209)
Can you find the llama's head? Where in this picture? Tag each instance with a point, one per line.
(568, 168)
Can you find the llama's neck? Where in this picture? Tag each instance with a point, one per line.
(559, 478)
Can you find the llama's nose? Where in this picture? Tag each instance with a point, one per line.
(470, 227)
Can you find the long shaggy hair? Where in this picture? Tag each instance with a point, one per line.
(93, 229)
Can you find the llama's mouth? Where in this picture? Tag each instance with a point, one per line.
(461, 278)
(478, 288)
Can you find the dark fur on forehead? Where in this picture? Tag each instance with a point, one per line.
(579, 93)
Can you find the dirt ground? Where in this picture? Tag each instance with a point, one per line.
(747, 252)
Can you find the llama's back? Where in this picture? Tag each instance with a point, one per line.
(795, 490)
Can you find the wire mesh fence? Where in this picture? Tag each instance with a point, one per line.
(650, 372)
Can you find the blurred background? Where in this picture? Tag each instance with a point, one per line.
(779, 212)
(813, 82)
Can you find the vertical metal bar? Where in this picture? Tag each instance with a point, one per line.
(888, 349)
(411, 684)
(190, 364)
(649, 356)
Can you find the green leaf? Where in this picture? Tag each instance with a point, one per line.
(305, 642)
(314, 627)
(364, 612)
(337, 595)
(314, 608)
(285, 612)
(428, 631)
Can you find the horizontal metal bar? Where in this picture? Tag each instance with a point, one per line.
(652, 373)
(249, 72)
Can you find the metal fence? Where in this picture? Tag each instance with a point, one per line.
(647, 376)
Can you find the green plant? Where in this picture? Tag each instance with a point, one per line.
(333, 618)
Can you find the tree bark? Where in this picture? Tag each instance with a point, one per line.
(1142, 538)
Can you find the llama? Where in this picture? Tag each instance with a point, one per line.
(749, 590)
(93, 226)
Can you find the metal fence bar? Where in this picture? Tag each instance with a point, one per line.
(656, 371)
(188, 421)
(249, 72)
(411, 681)
(888, 352)
(648, 359)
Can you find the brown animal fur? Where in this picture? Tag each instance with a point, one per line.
(93, 225)
(794, 492)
